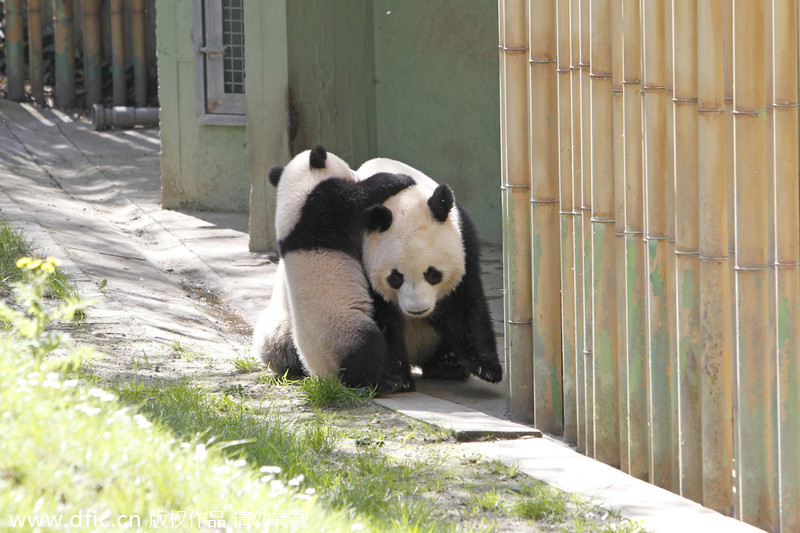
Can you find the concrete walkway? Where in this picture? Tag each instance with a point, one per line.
(93, 199)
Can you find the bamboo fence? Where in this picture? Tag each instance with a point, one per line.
(74, 41)
(652, 240)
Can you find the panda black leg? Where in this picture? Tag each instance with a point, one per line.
(362, 365)
(396, 368)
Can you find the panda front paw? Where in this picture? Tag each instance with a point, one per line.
(487, 370)
(394, 384)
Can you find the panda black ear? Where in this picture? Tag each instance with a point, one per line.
(441, 202)
(376, 218)
(275, 175)
(317, 157)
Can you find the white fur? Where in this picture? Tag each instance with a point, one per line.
(329, 303)
(274, 325)
(421, 339)
(413, 242)
(297, 181)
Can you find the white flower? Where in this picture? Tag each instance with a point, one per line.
(141, 421)
(200, 452)
(270, 470)
(104, 396)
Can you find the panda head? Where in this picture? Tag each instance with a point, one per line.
(298, 178)
(413, 251)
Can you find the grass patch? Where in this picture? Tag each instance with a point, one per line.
(70, 451)
(13, 245)
(539, 501)
(184, 352)
(330, 393)
(245, 364)
(366, 484)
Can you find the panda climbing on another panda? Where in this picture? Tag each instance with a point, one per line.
(421, 256)
(321, 303)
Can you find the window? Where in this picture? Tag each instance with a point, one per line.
(219, 39)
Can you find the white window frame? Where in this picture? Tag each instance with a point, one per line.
(215, 107)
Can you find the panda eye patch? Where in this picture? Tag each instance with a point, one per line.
(433, 275)
(395, 279)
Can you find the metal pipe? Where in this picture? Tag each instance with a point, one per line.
(92, 60)
(567, 220)
(118, 53)
(14, 49)
(138, 53)
(123, 117)
(64, 29)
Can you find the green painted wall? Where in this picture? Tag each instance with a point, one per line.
(202, 167)
(266, 86)
(437, 97)
(331, 77)
(414, 80)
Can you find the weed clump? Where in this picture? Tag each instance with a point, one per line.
(324, 393)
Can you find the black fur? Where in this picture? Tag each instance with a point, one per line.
(376, 218)
(362, 366)
(441, 202)
(275, 175)
(317, 157)
(331, 215)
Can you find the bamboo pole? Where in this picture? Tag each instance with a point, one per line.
(577, 195)
(662, 431)
(516, 179)
(568, 298)
(14, 50)
(619, 227)
(604, 335)
(92, 60)
(756, 371)
(586, 224)
(64, 32)
(715, 348)
(787, 254)
(687, 242)
(138, 53)
(118, 53)
(635, 259)
(672, 309)
(35, 52)
(545, 233)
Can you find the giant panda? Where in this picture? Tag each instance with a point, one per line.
(330, 313)
(421, 255)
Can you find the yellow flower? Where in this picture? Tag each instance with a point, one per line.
(23, 261)
(55, 261)
(48, 267)
(33, 265)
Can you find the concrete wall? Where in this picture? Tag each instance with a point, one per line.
(202, 167)
(437, 97)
